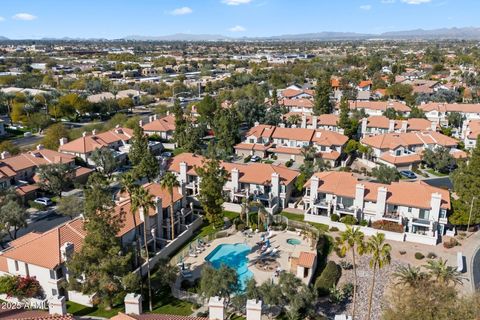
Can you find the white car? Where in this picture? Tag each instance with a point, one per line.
(44, 201)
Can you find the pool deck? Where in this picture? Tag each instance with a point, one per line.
(278, 241)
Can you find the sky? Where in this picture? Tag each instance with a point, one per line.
(34, 19)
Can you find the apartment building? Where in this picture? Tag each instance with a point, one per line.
(163, 127)
(325, 121)
(470, 132)
(404, 150)
(377, 108)
(418, 207)
(376, 125)
(438, 112)
(271, 185)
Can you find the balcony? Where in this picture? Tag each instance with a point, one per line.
(322, 203)
(391, 216)
(341, 208)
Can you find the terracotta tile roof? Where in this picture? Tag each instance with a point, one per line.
(164, 124)
(251, 146)
(258, 173)
(36, 158)
(262, 130)
(473, 129)
(332, 155)
(297, 134)
(25, 314)
(3, 264)
(392, 141)
(286, 150)
(322, 120)
(414, 124)
(414, 194)
(299, 103)
(335, 83)
(291, 93)
(44, 249)
(26, 189)
(451, 107)
(401, 160)
(379, 105)
(90, 143)
(329, 138)
(122, 316)
(81, 171)
(365, 83)
(306, 259)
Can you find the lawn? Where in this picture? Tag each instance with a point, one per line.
(436, 173)
(299, 217)
(175, 307)
(81, 310)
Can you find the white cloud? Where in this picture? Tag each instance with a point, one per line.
(2, 19)
(181, 11)
(366, 7)
(387, 1)
(237, 29)
(416, 1)
(24, 16)
(236, 2)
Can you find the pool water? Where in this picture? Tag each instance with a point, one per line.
(233, 256)
(294, 242)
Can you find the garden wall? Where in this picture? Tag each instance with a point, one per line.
(80, 298)
(233, 207)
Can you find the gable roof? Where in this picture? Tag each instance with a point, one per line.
(329, 138)
(379, 105)
(298, 134)
(451, 107)
(33, 158)
(163, 124)
(394, 140)
(261, 130)
(90, 143)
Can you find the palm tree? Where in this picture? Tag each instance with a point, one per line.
(380, 252)
(352, 239)
(128, 185)
(169, 181)
(143, 200)
(443, 273)
(410, 276)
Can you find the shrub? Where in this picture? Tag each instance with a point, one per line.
(450, 243)
(328, 278)
(346, 265)
(350, 220)
(387, 226)
(20, 287)
(240, 227)
(247, 159)
(419, 255)
(402, 252)
(274, 157)
(347, 289)
(289, 163)
(364, 223)
(37, 206)
(334, 217)
(431, 255)
(333, 229)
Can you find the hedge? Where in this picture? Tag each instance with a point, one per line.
(328, 278)
(350, 220)
(387, 226)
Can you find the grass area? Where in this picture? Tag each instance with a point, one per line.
(81, 310)
(178, 151)
(237, 317)
(299, 217)
(436, 173)
(174, 306)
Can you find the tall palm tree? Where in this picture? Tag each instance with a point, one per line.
(352, 239)
(380, 252)
(143, 200)
(410, 276)
(169, 181)
(443, 273)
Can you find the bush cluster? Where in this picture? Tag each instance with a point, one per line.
(387, 226)
(20, 287)
(328, 278)
(350, 220)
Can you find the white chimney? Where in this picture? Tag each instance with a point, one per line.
(254, 310)
(391, 125)
(57, 306)
(133, 304)
(235, 179)
(5, 154)
(216, 308)
(63, 141)
(154, 117)
(304, 121)
(364, 125)
(84, 134)
(404, 125)
(359, 195)
(94, 132)
(281, 125)
(183, 172)
(381, 201)
(314, 184)
(275, 184)
(314, 122)
(433, 126)
(435, 203)
(67, 250)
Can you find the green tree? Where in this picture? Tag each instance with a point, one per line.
(352, 240)
(409, 276)
(416, 112)
(212, 179)
(142, 200)
(105, 161)
(105, 270)
(455, 119)
(148, 167)
(323, 104)
(70, 206)
(207, 109)
(380, 256)
(12, 216)
(439, 159)
(8, 146)
(138, 147)
(55, 177)
(39, 121)
(53, 134)
(443, 273)
(221, 282)
(351, 147)
(169, 181)
(390, 113)
(128, 185)
(226, 124)
(348, 124)
(466, 184)
(385, 174)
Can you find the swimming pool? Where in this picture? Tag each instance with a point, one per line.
(233, 256)
(294, 242)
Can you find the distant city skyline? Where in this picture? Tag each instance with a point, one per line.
(33, 19)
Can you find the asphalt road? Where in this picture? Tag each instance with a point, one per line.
(27, 141)
(443, 182)
(476, 270)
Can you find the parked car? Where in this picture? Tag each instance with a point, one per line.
(44, 201)
(408, 174)
(167, 155)
(255, 159)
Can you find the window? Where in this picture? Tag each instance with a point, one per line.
(409, 210)
(52, 274)
(54, 292)
(424, 214)
(16, 265)
(443, 213)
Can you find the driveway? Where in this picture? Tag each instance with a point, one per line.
(476, 270)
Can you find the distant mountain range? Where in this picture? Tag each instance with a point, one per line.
(469, 33)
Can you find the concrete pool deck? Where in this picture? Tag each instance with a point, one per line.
(278, 241)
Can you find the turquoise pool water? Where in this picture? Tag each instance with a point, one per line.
(233, 256)
(294, 242)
